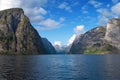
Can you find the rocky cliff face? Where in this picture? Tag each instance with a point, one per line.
(99, 40)
(48, 46)
(17, 36)
(113, 32)
(93, 38)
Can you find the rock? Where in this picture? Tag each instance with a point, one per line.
(17, 35)
(48, 46)
(91, 38)
(113, 32)
(100, 40)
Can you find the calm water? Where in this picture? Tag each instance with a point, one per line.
(60, 67)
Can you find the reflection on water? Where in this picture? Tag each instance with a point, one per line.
(60, 67)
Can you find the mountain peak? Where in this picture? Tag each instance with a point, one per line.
(115, 21)
(100, 40)
(12, 10)
(17, 35)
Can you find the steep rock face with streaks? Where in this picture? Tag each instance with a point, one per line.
(113, 32)
(100, 40)
(48, 46)
(17, 35)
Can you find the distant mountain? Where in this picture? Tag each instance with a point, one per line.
(100, 40)
(48, 46)
(17, 36)
(63, 50)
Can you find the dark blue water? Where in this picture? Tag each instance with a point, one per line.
(60, 67)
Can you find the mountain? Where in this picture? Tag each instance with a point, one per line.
(17, 35)
(48, 46)
(100, 40)
(62, 49)
(113, 33)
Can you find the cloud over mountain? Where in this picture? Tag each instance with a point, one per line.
(34, 10)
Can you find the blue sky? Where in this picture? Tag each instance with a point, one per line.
(61, 20)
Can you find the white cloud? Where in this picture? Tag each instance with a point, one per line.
(32, 8)
(49, 23)
(115, 1)
(104, 12)
(35, 14)
(65, 6)
(79, 29)
(39, 11)
(104, 15)
(61, 48)
(35, 11)
(8, 4)
(58, 46)
(36, 19)
(116, 9)
(70, 41)
(32, 3)
(58, 43)
(96, 4)
(25, 4)
(102, 20)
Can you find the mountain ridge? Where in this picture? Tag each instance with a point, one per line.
(17, 35)
(99, 40)
(48, 46)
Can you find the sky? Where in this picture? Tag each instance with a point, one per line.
(60, 21)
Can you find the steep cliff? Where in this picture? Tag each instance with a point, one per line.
(89, 42)
(48, 46)
(17, 36)
(113, 32)
(99, 40)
